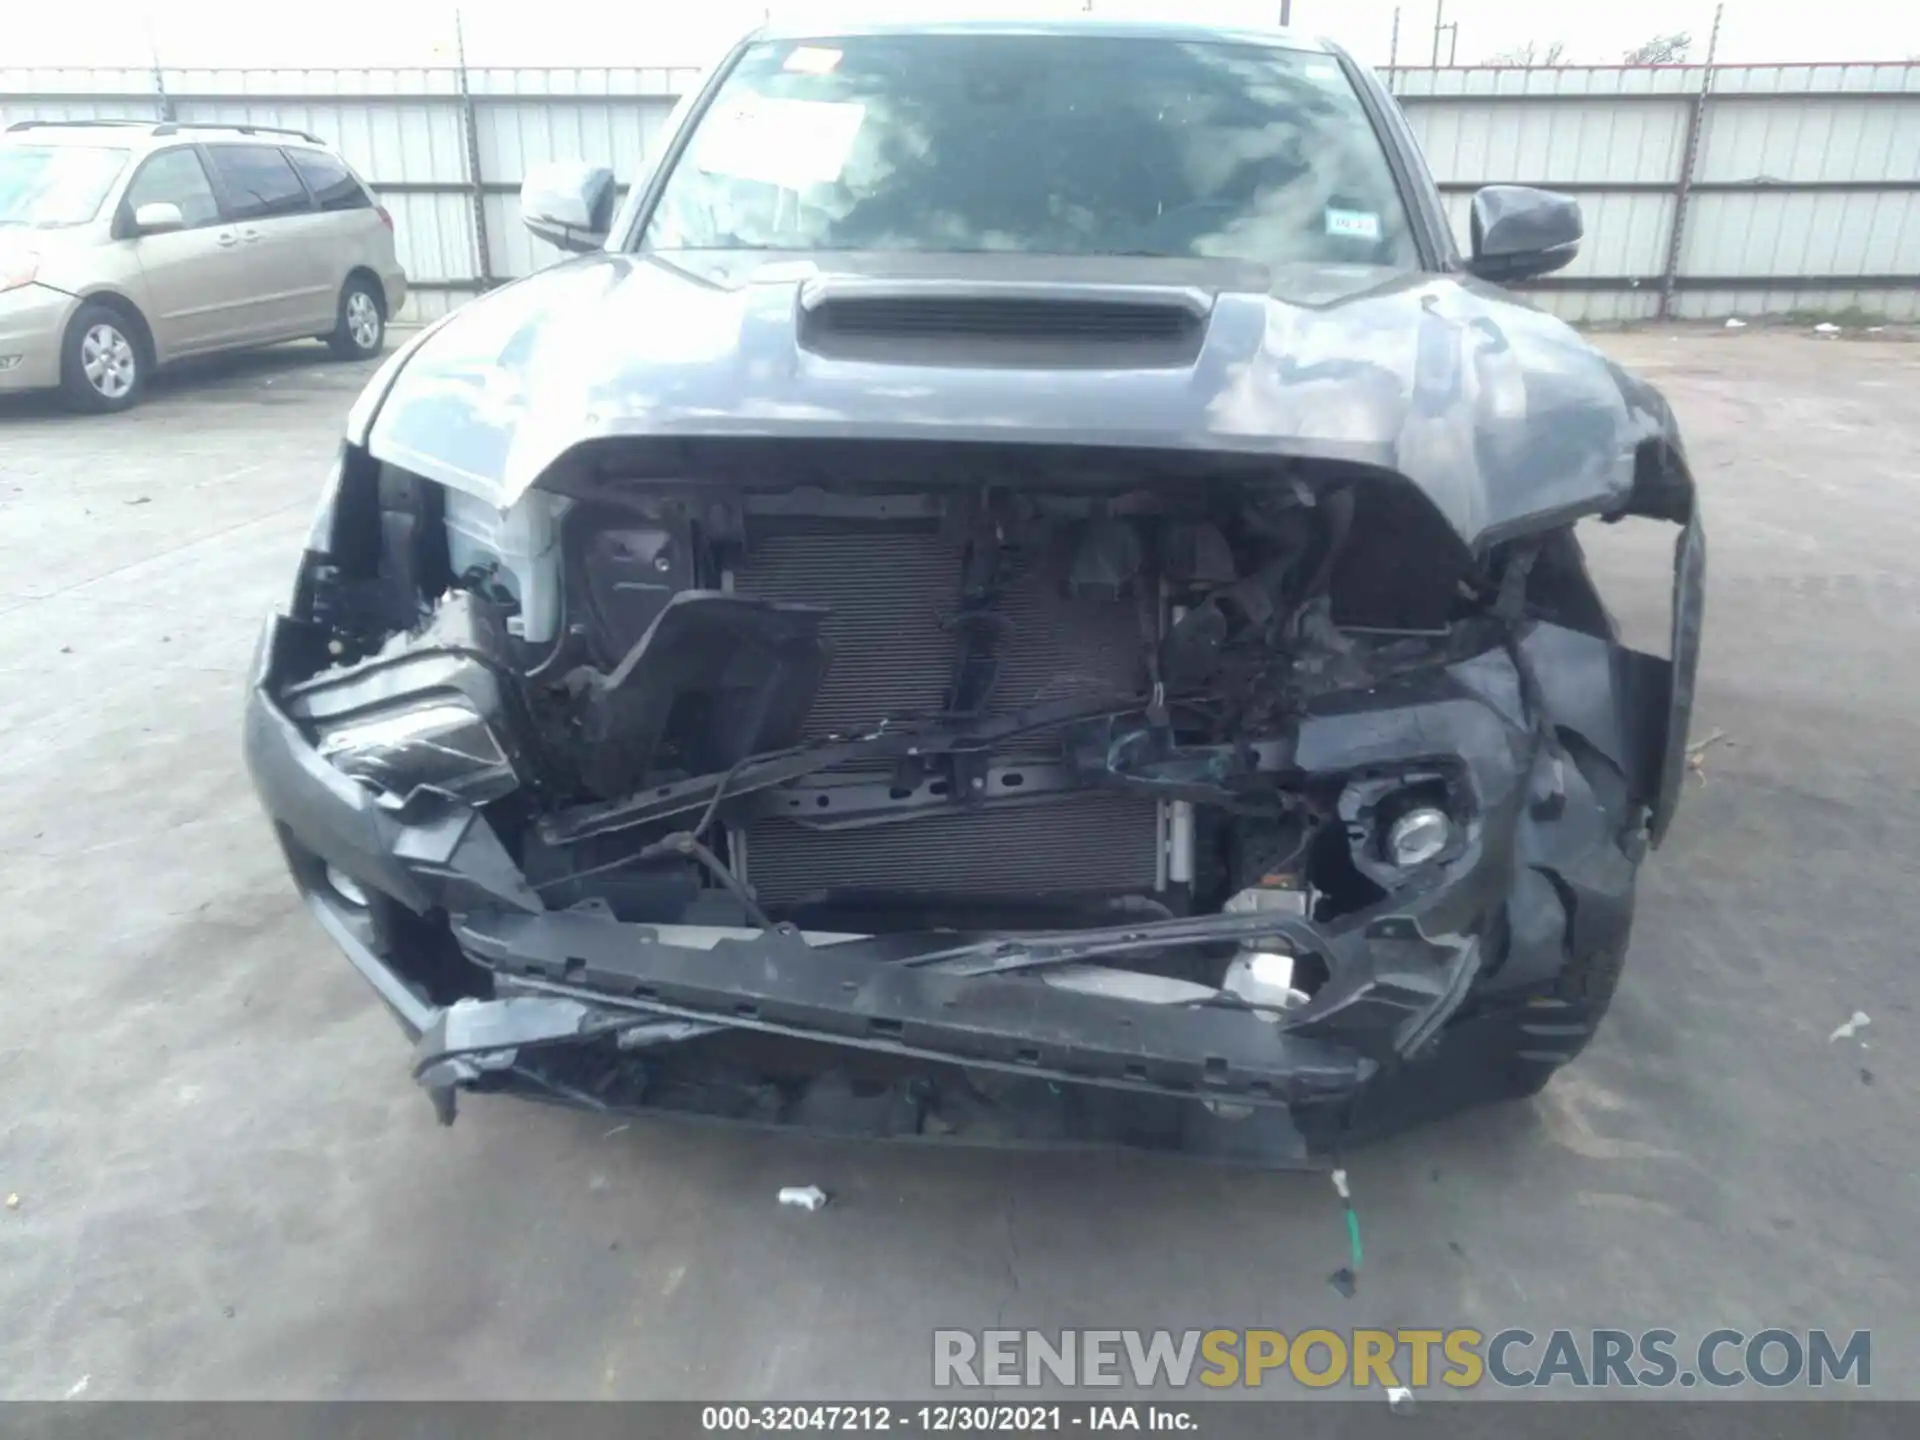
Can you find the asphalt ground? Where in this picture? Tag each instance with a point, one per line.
(228, 1187)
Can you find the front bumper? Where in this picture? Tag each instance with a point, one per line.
(851, 1035)
(33, 319)
(394, 282)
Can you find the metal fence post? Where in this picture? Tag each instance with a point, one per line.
(476, 182)
(1683, 186)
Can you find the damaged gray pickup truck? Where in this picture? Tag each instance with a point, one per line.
(1019, 590)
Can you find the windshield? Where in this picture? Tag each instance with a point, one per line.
(1059, 145)
(47, 185)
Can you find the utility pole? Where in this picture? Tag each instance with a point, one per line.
(1440, 23)
(160, 96)
(1690, 154)
(1286, 13)
(470, 127)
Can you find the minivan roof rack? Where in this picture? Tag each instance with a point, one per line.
(173, 127)
(78, 124)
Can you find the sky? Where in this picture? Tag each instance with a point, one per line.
(231, 33)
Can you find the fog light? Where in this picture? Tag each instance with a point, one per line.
(346, 887)
(1418, 836)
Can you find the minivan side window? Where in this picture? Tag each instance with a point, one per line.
(259, 182)
(331, 182)
(176, 177)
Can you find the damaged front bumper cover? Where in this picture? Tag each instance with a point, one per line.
(1217, 1077)
(942, 1036)
(862, 993)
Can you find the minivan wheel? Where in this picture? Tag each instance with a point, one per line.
(361, 330)
(102, 364)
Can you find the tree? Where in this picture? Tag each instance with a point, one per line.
(1530, 55)
(1661, 50)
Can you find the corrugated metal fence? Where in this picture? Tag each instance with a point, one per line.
(1730, 190)
(1708, 191)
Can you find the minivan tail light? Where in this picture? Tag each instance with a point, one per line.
(386, 217)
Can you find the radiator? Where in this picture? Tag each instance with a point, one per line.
(890, 588)
(1080, 844)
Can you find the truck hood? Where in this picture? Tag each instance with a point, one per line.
(1502, 415)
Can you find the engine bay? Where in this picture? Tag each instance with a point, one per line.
(870, 709)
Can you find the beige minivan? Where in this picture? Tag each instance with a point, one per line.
(125, 245)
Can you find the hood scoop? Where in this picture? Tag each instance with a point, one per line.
(1050, 323)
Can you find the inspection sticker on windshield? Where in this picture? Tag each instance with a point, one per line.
(1354, 224)
(811, 60)
(789, 143)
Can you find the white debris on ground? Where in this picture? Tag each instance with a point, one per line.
(1854, 1026)
(807, 1197)
(1697, 752)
